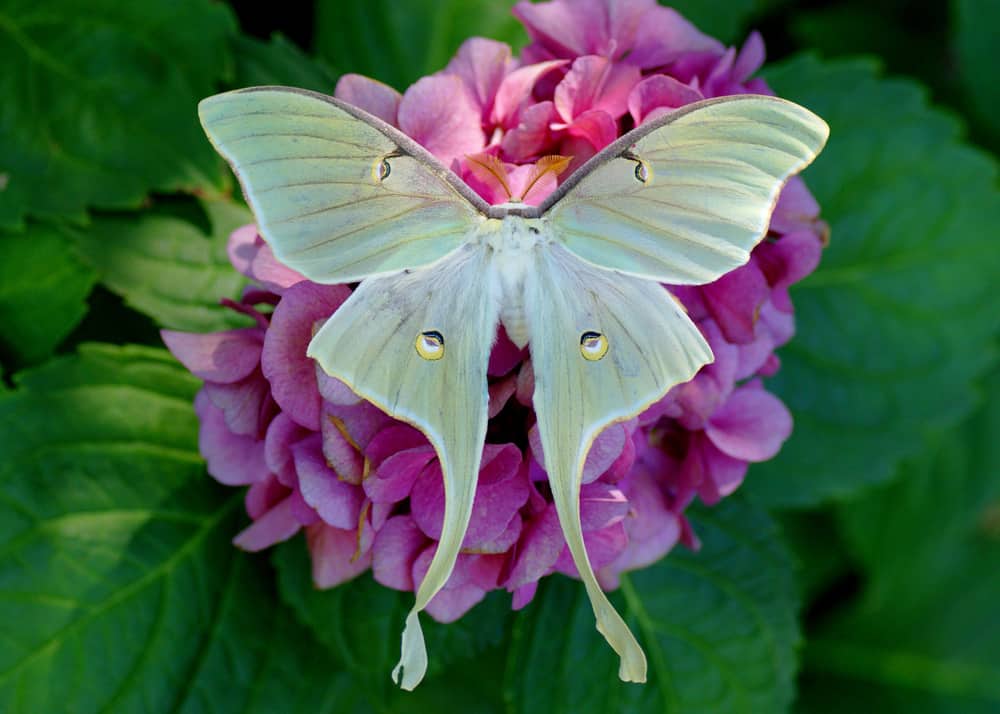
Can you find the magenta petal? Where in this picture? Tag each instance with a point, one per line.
(605, 450)
(664, 35)
(233, 459)
(597, 128)
(397, 545)
(341, 453)
(333, 390)
(293, 375)
(735, 299)
(541, 543)
(440, 113)
(502, 489)
(723, 474)
(577, 27)
(360, 422)
(603, 547)
(335, 557)
(278, 524)
(653, 529)
(246, 405)
(699, 398)
(751, 425)
(659, 91)
(482, 64)
(796, 208)
(376, 98)
(394, 437)
(224, 357)
(516, 89)
(523, 595)
(281, 435)
(250, 255)
(500, 393)
(263, 495)
(601, 505)
(337, 502)
(787, 260)
(533, 133)
(504, 356)
(472, 577)
(750, 58)
(595, 83)
(393, 480)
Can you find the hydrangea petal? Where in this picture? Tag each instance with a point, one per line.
(337, 502)
(440, 113)
(374, 97)
(335, 555)
(284, 361)
(233, 459)
(223, 357)
(751, 425)
(278, 524)
(482, 64)
(397, 545)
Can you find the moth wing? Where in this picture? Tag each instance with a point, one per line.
(651, 345)
(684, 199)
(337, 193)
(371, 344)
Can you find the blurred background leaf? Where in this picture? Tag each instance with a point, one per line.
(900, 319)
(718, 627)
(925, 635)
(99, 103)
(397, 43)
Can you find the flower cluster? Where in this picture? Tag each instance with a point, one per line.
(367, 489)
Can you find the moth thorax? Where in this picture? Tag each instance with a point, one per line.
(514, 321)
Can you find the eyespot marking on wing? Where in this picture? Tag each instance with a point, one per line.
(593, 345)
(430, 345)
(643, 171)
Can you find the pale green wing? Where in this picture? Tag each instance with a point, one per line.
(447, 312)
(337, 193)
(583, 384)
(684, 199)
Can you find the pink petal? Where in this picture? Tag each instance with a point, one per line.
(472, 578)
(293, 375)
(597, 128)
(699, 398)
(341, 453)
(333, 390)
(751, 425)
(658, 92)
(376, 98)
(723, 475)
(223, 357)
(360, 422)
(263, 495)
(523, 595)
(440, 113)
(734, 301)
(232, 459)
(541, 543)
(595, 83)
(603, 547)
(516, 89)
(277, 525)
(750, 58)
(566, 29)
(395, 477)
(502, 489)
(482, 64)
(337, 502)
(500, 393)
(796, 208)
(652, 528)
(335, 556)
(282, 434)
(664, 35)
(601, 506)
(250, 255)
(533, 135)
(246, 405)
(397, 545)
(394, 437)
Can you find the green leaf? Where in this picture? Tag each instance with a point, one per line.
(397, 43)
(718, 627)
(99, 103)
(279, 62)
(361, 623)
(975, 29)
(926, 634)
(728, 23)
(119, 589)
(899, 320)
(43, 292)
(167, 267)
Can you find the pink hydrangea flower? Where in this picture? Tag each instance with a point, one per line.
(366, 489)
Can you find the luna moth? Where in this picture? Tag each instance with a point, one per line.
(343, 197)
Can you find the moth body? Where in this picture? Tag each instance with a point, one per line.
(513, 241)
